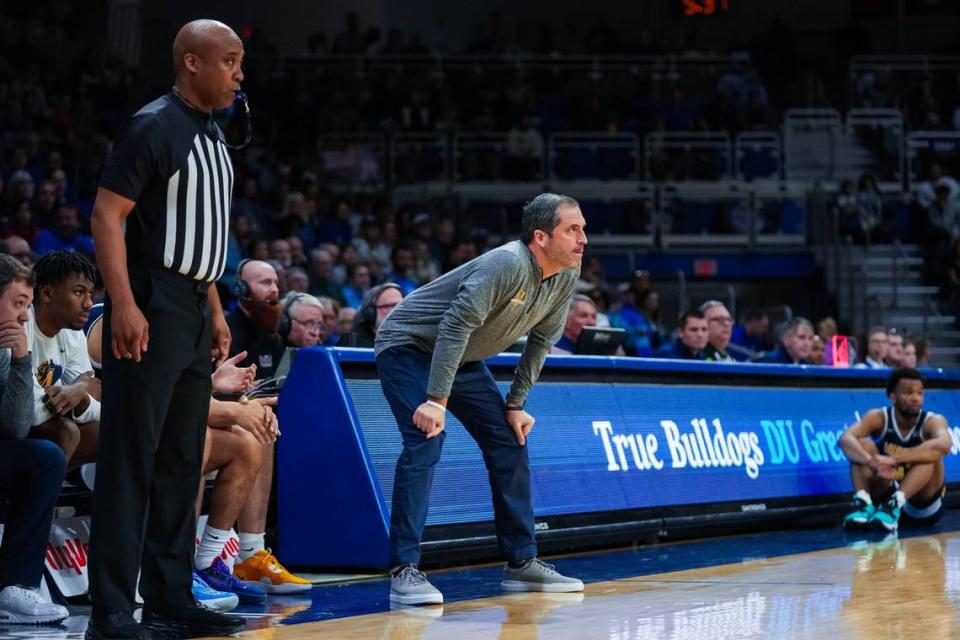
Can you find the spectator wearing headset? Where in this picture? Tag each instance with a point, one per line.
(254, 323)
(376, 306)
(254, 328)
(302, 321)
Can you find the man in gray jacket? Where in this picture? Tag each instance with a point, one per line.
(430, 353)
(31, 471)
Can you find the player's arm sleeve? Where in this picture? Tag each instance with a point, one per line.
(541, 338)
(76, 359)
(479, 293)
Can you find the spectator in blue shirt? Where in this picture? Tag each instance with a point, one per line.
(752, 335)
(402, 259)
(358, 283)
(639, 316)
(691, 338)
(65, 234)
(796, 341)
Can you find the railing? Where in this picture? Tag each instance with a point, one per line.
(626, 216)
(683, 155)
(594, 156)
(923, 146)
(817, 146)
(667, 67)
(874, 144)
(863, 71)
(924, 63)
(479, 157)
(758, 155)
(353, 158)
(418, 157)
(813, 142)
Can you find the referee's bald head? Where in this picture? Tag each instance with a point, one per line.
(197, 37)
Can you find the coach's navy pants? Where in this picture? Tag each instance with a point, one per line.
(477, 403)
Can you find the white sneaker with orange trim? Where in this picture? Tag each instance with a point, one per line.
(264, 570)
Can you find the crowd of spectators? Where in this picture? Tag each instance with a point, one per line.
(59, 112)
(926, 101)
(523, 99)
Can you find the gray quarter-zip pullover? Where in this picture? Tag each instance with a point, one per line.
(478, 310)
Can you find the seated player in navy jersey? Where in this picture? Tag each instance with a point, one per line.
(896, 454)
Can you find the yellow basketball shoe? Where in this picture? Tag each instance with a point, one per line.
(264, 570)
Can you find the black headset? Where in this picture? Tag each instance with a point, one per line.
(241, 290)
(286, 320)
(368, 308)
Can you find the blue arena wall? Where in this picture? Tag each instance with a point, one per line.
(612, 435)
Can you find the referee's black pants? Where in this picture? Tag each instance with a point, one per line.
(152, 428)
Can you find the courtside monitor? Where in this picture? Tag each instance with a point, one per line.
(600, 341)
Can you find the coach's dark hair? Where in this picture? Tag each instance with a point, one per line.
(906, 373)
(12, 270)
(541, 213)
(690, 313)
(55, 267)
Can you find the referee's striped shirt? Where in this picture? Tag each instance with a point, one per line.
(172, 162)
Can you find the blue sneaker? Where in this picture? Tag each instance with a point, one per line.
(861, 515)
(211, 598)
(887, 515)
(218, 576)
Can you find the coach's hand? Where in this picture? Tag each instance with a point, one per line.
(429, 419)
(522, 422)
(130, 332)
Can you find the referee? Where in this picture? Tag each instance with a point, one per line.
(168, 182)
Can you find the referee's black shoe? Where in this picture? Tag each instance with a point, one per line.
(190, 621)
(115, 626)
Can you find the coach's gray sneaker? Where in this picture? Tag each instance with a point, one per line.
(409, 585)
(537, 575)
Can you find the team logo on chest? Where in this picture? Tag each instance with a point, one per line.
(48, 373)
(519, 299)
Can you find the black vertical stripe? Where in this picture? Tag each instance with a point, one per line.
(204, 248)
(216, 214)
(227, 196)
(181, 218)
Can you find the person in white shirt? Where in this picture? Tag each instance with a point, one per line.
(66, 395)
(877, 346)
